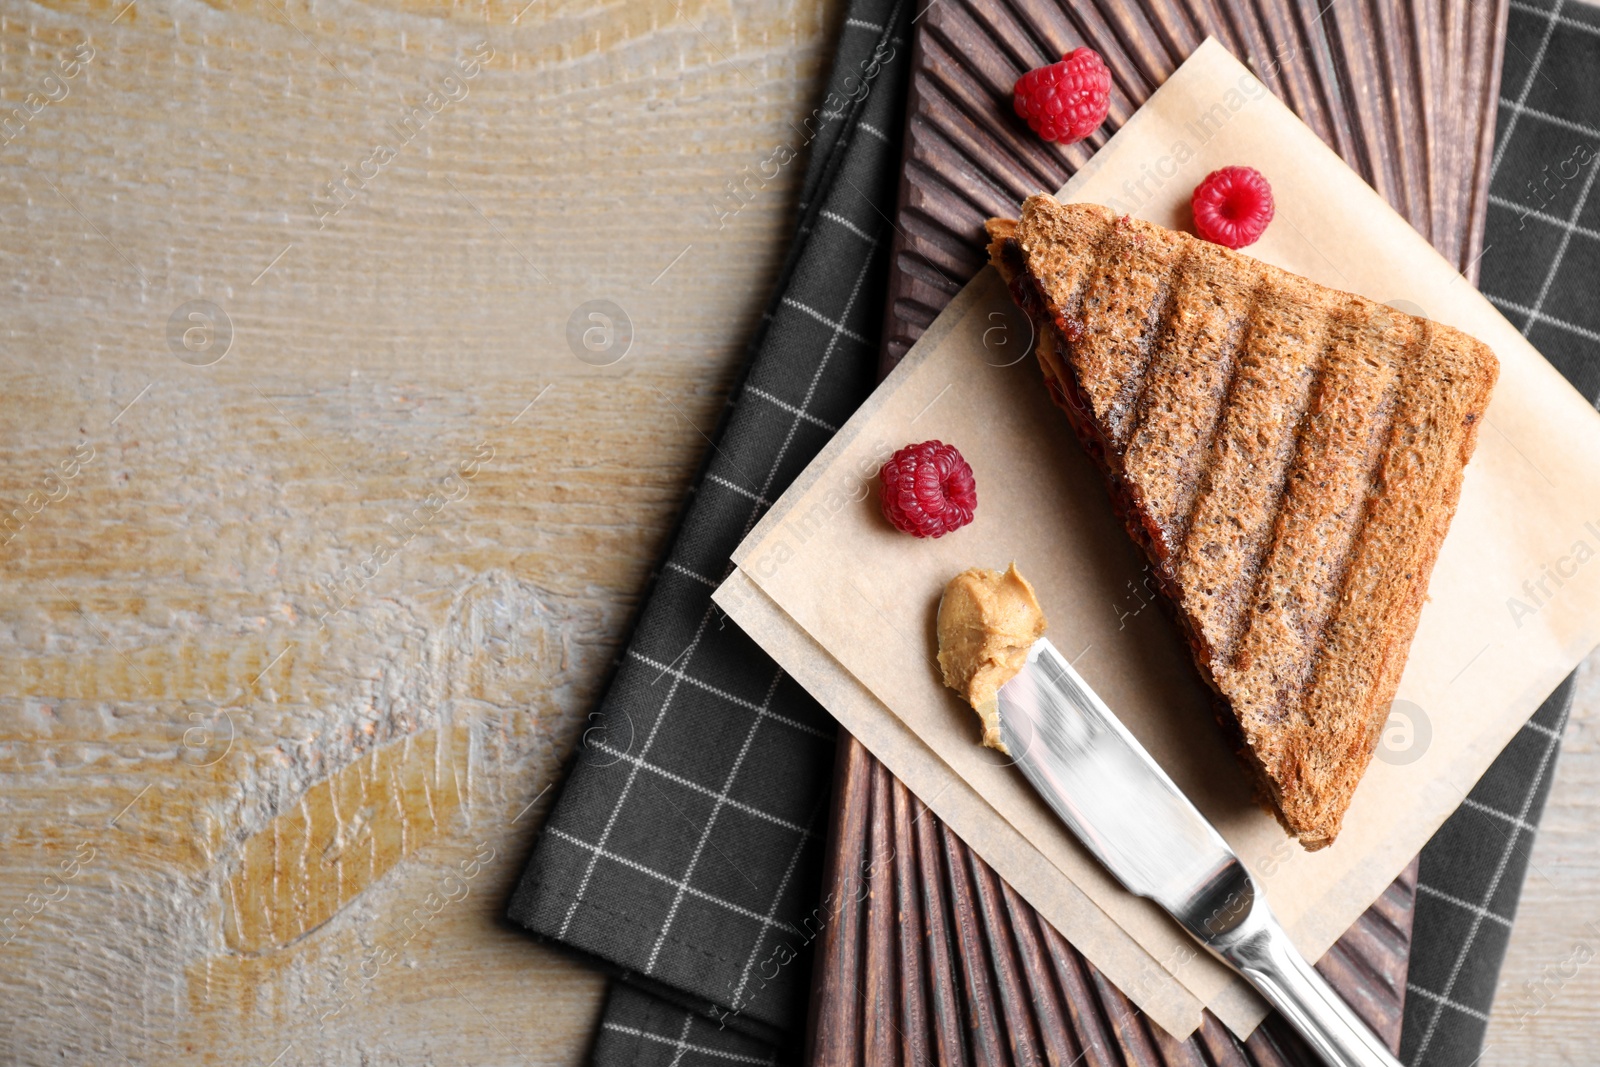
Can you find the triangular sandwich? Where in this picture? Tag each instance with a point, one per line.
(1288, 457)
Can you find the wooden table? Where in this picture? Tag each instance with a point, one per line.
(289, 817)
(300, 889)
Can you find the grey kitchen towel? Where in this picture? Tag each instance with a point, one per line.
(686, 843)
(1540, 264)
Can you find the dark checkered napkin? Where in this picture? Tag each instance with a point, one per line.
(1542, 254)
(646, 1031)
(1467, 889)
(1540, 263)
(685, 848)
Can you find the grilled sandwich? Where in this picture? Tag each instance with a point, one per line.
(1287, 456)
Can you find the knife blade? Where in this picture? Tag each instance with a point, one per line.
(1125, 809)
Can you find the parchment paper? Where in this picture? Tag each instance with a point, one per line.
(1515, 595)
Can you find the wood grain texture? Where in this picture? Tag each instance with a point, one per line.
(287, 721)
(951, 966)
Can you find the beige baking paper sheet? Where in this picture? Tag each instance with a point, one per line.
(1514, 600)
(1026, 868)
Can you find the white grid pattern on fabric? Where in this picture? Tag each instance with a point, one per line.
(1477, 805)
(1446, 1002)
(721, 799)
(1541, 728)
(762, 712)
(1542, 316)
(1442, 998)
(672, 565)
(1465, 905)
(683, 1040)
(1527, 87)
(748, 494)
(627, 786)
(828, 354)
(1561, 248)
(748, 705)
(772, 910)
(870, 128)
(705, 790)
(1532, 213)
(598, 849)
(871, 239)
(635, 865)
(837, 327)
(790, 408)
(1564, 20)
(683, 1045)
(1519, 109)
(709, 666)
(1569, 226)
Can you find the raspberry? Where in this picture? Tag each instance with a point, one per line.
(1232, 206)
(1066, 101)
(928, 490)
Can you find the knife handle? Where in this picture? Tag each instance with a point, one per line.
(1261, 951)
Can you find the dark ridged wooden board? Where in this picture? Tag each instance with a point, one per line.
(931, 957)
(1404, 90)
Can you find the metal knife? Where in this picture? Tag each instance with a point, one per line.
(1108, 790)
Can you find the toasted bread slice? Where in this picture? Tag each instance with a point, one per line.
(1287, 455)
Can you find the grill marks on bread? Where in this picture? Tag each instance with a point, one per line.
(1186, 383)
(1324, 504)
(1124, 298)
(1289, 457)
(1241, 482)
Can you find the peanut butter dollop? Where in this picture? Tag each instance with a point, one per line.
(987, 621)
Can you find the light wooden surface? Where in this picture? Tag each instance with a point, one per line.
(326, 887)
(246, 823)
(1547, 1009)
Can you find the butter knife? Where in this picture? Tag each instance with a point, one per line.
(1121, 804)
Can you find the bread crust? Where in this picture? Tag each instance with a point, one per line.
(1287, 455)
